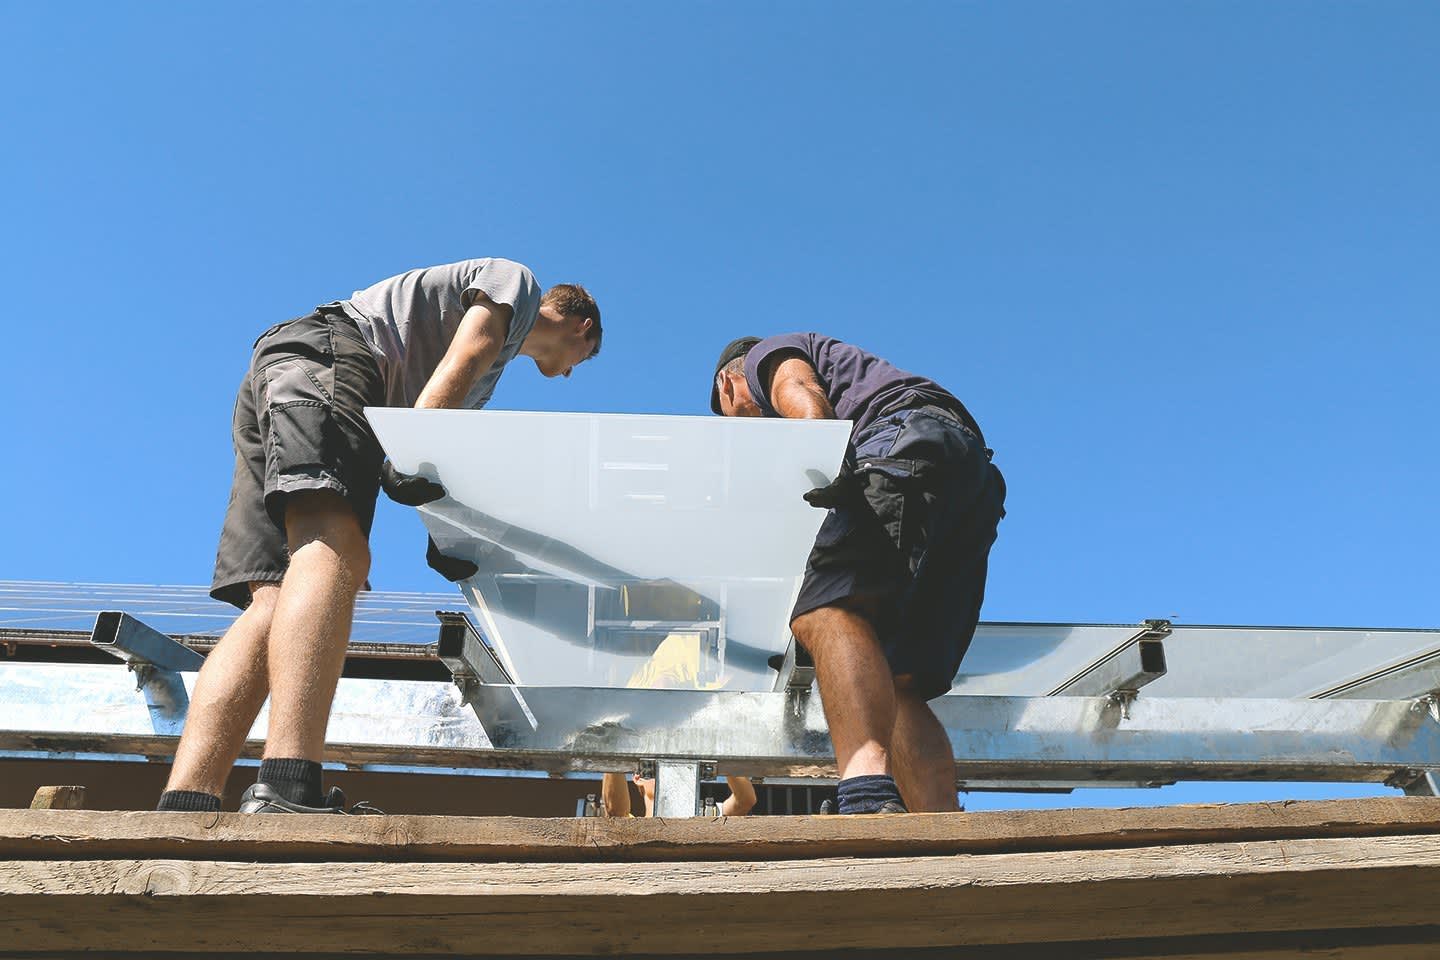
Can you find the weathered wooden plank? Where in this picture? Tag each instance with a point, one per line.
(1309, 945)
(58, 798)
(725, 906)
(56, 835)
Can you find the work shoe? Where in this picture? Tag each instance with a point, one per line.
(892, 806)
(263, 798)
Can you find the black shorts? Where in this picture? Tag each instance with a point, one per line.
(919, 545)
(299, 425)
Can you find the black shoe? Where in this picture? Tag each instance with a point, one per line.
(263, 798)
(892, 806)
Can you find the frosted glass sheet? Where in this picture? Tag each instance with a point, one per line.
(620, 550)
(1023, 659)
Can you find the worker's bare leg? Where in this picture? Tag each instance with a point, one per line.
(855, 687)
(329, 560)
(922, 755)
(228, 694)
(615, 794)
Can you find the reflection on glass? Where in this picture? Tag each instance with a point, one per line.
(609, 545)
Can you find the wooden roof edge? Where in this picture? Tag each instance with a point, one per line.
(685, 909)
(84, 834)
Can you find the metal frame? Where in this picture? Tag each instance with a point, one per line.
(1119, 675)
(156, 660)
(481, 720)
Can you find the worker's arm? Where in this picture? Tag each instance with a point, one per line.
(477, 343)
(615, 794)
(741, 800)
(797, 393)
(794, 388)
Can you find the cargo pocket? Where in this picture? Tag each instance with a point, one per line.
(298, 428)
(296, 380)
(901, 503)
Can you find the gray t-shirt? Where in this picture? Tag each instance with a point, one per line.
(410, 319)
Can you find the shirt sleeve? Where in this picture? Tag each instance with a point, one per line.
(510, 283)
(801, 343)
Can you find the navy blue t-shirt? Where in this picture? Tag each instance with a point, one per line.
(859, 385)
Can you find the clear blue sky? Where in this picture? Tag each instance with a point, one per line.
(1180, 259)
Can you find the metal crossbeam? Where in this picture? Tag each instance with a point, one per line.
(64, 708)
(156, 660)
(1125, 669)
(1414, 677)
(122, 636)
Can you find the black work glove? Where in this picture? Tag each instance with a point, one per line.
(408, 488)
(451, 568)
(845, 490)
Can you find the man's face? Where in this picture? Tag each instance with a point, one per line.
(574, 346)
(735, 399)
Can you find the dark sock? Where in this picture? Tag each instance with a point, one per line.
(189, 800)
(866, 794)
(296, 780)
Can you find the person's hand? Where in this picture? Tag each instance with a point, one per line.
(451, 568)
(408, 488)
(843, 491)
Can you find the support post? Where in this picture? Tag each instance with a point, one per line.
(677, 785)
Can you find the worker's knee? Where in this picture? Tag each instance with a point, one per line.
(324, 519)
(823, 629)
(263, 595)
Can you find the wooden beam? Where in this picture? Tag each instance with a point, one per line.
(208, 836)
(720, 907)
(58, 798)
(1414, 942)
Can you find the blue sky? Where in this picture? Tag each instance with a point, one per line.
(1179, 259)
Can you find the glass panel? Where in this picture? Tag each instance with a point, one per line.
(380, 617)
(1031, 659)
(1012, 659)
(1280, 662)
(624, 550)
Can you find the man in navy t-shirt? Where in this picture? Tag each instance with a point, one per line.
(894, 583)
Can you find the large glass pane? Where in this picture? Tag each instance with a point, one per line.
(621, 550)
(1032, 659)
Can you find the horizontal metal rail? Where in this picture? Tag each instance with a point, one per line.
(65, 709)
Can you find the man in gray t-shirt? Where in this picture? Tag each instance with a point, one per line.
(409, 321)
(294, 545)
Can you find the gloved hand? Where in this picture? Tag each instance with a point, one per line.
(451, 568)
(408, 488)
(844, 491)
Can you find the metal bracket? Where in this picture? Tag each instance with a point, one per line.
(795, 671)
(485, 685)
(1119, 675)
(1430, 703)
(155, 659)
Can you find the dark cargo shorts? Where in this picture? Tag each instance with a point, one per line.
(918, 547)
(299, 425)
